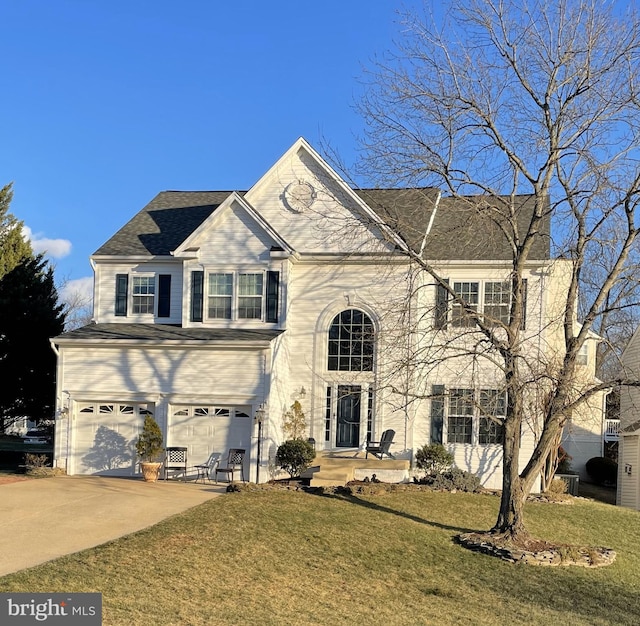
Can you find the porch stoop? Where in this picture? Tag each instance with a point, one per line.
(335, 469)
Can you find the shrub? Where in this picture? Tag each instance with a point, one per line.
(602, 470)
(36, 460)
(294, 422)
(557, 486)
(294, 456)
(433, 459)
(149, 444)
(451, 479)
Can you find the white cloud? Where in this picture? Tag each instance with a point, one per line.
(77, 290)
(54, 248)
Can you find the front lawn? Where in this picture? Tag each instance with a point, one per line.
(287, 557)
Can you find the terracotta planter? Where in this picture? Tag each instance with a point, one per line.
(150, 471)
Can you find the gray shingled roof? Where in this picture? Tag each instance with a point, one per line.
(460, 230)
(162, 225)
(166, 332)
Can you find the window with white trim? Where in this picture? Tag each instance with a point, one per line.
(237, 296)
(493, 409)
(490, 297)
(460, 422)
(351, 342)
(143, 294)
(469, 293)
(220, 296)
(582, 358)
(497, 300)
(475, 416)
(250, 296)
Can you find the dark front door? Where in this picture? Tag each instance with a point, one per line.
(348, 418)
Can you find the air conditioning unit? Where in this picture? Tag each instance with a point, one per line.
(572, 481)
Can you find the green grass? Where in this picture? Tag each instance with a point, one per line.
(295, 558)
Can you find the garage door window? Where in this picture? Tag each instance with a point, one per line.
(211, 411)
(116, 409)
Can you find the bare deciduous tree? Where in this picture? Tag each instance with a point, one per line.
(499, 99)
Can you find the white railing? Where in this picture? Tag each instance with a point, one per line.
(611, 430)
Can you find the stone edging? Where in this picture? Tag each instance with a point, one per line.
(552, 555)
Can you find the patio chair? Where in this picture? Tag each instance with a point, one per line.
(205, 469)
(380, 448)
(235, 462)
(175, 461)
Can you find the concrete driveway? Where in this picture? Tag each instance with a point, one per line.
(42, 519)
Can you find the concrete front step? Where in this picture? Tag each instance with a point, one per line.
(337, 469)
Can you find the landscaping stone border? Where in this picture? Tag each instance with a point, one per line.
(544, 554)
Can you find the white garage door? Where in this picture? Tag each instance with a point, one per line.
(105, 437)
(206, 430)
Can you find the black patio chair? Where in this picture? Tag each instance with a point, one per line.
(380, 448)
(235, 462)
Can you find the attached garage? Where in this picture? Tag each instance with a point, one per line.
(207, 429)
(106, 432)
(105, 436)
(202, 386)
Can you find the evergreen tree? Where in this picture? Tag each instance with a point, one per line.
(29, 315)
(13, 246)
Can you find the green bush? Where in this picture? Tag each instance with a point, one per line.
(149, 444)
(602, 470)
(452, 479)
(433, 458)
(294, 456)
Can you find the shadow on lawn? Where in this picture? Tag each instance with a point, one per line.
(384, 509)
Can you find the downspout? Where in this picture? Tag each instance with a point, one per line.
(54, 348)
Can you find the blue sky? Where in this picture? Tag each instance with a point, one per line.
(105, 103)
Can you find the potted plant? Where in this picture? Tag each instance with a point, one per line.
(149, 448)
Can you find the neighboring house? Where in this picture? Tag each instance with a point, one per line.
(212, 306)
(629, 443)
(587, 432)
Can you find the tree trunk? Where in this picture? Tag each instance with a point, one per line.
(510, 522)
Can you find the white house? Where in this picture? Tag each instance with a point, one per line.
(629, 443)
(211, 305)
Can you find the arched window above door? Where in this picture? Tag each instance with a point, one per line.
(351, 338)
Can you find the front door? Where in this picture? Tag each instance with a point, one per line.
(348, 417)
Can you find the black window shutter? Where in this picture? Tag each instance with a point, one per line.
(273, 290)
(442, 305)
(197, 295)
(164, 295)
(437, 413)
(523, 324)
(122, 287)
